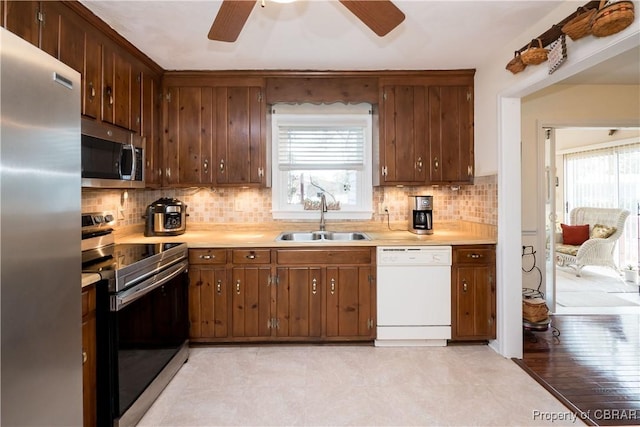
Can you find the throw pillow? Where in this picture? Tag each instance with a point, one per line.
(602, 231)
(574, 234)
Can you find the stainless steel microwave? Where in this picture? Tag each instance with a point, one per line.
(110, 159)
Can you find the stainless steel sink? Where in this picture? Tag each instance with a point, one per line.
(320, 236)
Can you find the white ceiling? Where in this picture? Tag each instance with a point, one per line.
(321, 34)
(324, 35)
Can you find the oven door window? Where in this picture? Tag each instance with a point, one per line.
(147, 334)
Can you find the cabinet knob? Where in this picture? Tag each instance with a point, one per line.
(84, 357)
(465, 286)
(205, 166)
(92, 91)
(219, 287)
(109, 93)
(238, 286)
(221, 165)
(419, 164)
(436, 163)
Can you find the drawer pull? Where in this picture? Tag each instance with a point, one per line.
(251, 256)
(84, 357)
(436, 163)
(474, 256)
(219, 286)
(314, 286)
(333, 286)
(465, 286)
(207, 256)
(238, 287)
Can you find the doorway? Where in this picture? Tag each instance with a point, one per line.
(596, 167)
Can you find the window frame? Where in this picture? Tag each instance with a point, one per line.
(314, 115)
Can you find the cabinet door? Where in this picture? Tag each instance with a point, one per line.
(208, 302)
(299, 302)
(251, 312)
(92, 82)
(108, 84)
(240, 137)
(190, 112)
(150, 130)
(89, 397)
(450, 134)
(72, 42)
(122, 90)
(135, 96)
(350, 302)
(403, 135)
(21, 18)
(51, 14)
(474, 295)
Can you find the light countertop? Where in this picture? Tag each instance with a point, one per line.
(246, 235)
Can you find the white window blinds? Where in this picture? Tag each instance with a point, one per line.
(321, 147)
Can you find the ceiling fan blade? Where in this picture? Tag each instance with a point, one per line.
(381, 16)
(230, 19)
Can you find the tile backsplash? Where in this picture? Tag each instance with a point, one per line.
(475, 203)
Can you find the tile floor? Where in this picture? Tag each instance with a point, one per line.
(352, 386)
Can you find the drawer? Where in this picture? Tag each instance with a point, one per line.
(251, 256)
(207, 256)
(474, 254)
(324, 256)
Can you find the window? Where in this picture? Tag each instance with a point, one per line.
(321, 149)
(607, 178)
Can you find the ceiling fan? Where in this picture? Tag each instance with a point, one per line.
(381, 16)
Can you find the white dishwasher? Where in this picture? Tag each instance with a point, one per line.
(413, 295)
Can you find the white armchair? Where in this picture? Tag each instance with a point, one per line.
(595, 250)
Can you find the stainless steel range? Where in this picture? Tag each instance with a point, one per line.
(142, 318)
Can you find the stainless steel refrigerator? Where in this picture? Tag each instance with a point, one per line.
(40, 255)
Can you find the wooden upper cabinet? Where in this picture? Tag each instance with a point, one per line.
(122, 91)
(240, 136)
(92, 81)
(21, 18)
(402, 135)
(188, 135)
(150, 130)
(450, 127)
(135, 95)
(72, 42)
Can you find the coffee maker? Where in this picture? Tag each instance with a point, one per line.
(421, 214)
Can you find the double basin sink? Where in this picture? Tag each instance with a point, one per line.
(321, 236)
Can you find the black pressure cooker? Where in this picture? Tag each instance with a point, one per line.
(166, 217)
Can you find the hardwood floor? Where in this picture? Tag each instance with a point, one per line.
(593, 367)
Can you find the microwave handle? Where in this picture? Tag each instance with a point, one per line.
(132, 150)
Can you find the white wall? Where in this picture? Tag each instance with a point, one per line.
(563, 105)
(498, 140)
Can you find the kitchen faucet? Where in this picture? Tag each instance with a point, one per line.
(323, 209)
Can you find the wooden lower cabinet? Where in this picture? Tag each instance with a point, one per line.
(299, 293)
(473, 292)
(240, 295)
(89, 396)
(251, 305)
(350, 302)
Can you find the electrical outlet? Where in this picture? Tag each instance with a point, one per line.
(383, 208)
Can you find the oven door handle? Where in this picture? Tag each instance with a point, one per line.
(127, 297)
